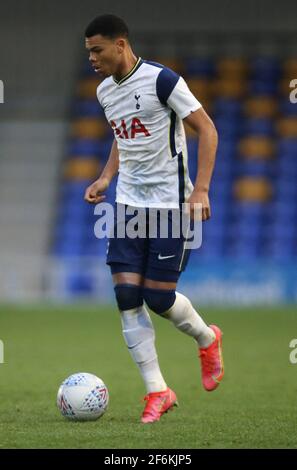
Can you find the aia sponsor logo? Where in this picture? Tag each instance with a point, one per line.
(125, 130)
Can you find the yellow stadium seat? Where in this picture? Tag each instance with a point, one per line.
(261, 107)
(256, 147)
(250, 189)
(284, 86)
(287, 126)
(89, 128)
(87, 87)
(232, 68)
(229, 87)
(81, 169)
(290, 68)
(200, 87)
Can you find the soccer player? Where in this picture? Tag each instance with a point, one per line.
(146, 104)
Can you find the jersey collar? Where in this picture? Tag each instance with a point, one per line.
(132, 71)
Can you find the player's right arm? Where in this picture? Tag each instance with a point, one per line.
(94, 193)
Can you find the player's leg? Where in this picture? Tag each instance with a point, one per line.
(168, 257)
(162, 298)
(177, 308)
(139, 335)
(137, 327)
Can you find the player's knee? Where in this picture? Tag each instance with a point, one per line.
(159, 300)
(128, 296)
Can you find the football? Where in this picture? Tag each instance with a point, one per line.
(82, 397)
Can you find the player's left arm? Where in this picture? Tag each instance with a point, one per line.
(200, 122)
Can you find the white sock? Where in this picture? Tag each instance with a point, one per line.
(139, 335)
(186, 319)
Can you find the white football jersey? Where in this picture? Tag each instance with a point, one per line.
(145, 110)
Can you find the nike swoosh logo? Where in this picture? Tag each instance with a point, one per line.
(165, 257)
(134, 345)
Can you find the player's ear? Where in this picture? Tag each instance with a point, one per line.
(120, 44)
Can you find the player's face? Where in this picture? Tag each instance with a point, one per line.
(105, 54)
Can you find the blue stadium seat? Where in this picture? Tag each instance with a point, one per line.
(279, 249)
(214, 227)
(255, 168)
(89, 147)
(228, 127)
(246, 250)
(227, 107)
(226, 147)
(278, 231)
(265, 68)
(282, 212)
(212, 247)
(259, 126)
(248, 210)
(287, 146)
(64, 248)
(79, 283)
(287, 165)
(263, 87)
(199, 67)
(287, 108)
(87, 108)
(87, 70)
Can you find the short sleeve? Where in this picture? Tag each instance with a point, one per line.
(182, 100)
(99, 94)
(173, 91)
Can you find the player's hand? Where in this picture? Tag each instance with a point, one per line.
(94, 192)
(199, 197)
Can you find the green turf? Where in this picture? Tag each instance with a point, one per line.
(256, 406)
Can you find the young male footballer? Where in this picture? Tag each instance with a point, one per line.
(146, 103)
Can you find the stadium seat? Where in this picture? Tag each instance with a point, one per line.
(199, 67)
(229, 88)
(173, 63)
(259, 126)
(263, 87)
(88, 147)
(87, 87)
(201, 88)
(287, 127)
(261, 106)
(227, 107)
(232, 67)
(253, 189)
(256, 147)
(81, 169)
(265, 68)
(255, 168)
(287, 108)
(87, 108)
(289, 67)
(89, 128)
(287, 146)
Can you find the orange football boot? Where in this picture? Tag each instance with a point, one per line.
(212, 365)
(157, 404)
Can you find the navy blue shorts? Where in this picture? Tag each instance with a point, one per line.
(156, 258)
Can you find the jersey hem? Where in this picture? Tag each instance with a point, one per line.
(153, 205)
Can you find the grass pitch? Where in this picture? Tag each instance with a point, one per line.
(254, 407)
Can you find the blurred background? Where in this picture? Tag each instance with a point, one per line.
(237, 57)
